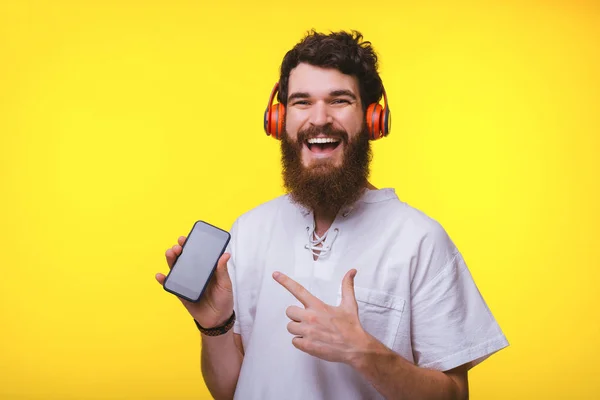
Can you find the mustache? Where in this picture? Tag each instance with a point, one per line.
(327, 130)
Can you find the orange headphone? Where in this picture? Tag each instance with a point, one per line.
(379, 119)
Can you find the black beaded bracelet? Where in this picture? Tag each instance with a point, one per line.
(217, 330)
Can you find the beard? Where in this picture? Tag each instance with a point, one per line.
(323, 186)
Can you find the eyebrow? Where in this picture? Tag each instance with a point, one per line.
(335, 93)
(343, 92)
(298, 95)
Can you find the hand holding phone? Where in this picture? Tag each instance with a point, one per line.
(198, 274)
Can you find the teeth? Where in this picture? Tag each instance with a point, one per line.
(322, 140)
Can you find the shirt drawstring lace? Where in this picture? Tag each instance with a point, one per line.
(315, 240)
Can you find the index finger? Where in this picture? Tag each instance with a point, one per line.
(297, 290)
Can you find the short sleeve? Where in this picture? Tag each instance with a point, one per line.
(451, 324)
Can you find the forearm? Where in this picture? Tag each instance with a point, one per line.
(221, 361)
(396, 378)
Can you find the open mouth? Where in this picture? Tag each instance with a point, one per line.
(322, 145)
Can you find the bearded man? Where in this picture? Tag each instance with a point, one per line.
(338, 289)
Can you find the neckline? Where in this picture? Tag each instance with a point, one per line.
(378, 195)
(368, 196)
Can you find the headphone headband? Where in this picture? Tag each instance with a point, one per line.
(272, 96)
(385, 100)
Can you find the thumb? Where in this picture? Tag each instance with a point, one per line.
(348, 296)
(221, 273)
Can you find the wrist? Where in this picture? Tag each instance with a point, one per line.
(212, 321)
(368, 352)
(220, 328)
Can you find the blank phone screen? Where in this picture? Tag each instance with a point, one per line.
(200, 254)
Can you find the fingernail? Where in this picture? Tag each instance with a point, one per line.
(276, 274)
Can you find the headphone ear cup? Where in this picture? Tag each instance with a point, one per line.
(266, 121)
(274, 120)
(386, 123)
(374, 118)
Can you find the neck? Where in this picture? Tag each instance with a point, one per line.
(324, 219)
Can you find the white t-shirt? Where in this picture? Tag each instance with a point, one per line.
(414, 293)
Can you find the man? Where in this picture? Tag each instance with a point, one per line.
(338, 290)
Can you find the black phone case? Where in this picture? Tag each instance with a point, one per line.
(213, 268)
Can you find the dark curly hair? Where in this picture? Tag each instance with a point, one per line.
(344, 51)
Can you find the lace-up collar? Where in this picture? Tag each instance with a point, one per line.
(314, 240)
(320, 246)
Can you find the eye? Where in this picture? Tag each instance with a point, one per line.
(340, 101)
(300, 103)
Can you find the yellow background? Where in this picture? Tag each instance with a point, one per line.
(123, 122)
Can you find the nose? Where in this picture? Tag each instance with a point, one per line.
(319, 115)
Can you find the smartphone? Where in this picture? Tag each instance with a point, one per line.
(194, 267)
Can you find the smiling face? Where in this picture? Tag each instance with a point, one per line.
(325, 146)
(324, 112)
